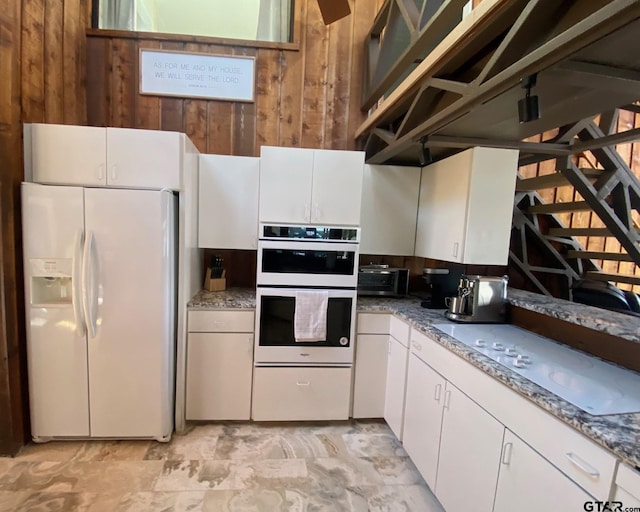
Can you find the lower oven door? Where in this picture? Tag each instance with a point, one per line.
(275, 343)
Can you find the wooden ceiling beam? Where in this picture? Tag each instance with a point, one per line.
(595, 26)
(445, 141)
(464, 34)
(597, 76)
(434, 27)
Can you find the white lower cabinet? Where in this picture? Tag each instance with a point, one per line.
(475, 441)
(529, 483)
(397, 358)
(301, 393)
(370, 368)
(219, 365)
(370, 377)
(627, 487)
(470, 446)
(423, 417)
(454, 443)
(219, 369)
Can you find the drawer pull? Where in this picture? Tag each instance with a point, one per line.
(438, 393)
(303, 383)
(416, 345)
(506, 453)
(582, 465)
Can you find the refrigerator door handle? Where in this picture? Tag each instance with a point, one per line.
(89, 292)
(76, 291)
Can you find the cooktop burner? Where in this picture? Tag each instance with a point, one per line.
(591, 384)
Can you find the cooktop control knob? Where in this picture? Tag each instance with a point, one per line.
(511, 352)
(497, 346)
(481, 343)
(344, 341)
(522, 361)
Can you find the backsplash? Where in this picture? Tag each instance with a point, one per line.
(240, 266)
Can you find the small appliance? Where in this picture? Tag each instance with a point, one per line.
(441, 283)
(480, 299)
(382, 280)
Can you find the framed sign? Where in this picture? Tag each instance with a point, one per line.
(197, 75)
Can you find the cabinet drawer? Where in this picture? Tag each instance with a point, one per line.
(399, 330)
(221, 321)
(295, 394)
(373, 323)
(418, 344)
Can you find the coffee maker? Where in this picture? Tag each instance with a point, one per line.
(441, 283)
(480, 299)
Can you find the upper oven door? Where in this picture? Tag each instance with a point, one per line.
(323, 264)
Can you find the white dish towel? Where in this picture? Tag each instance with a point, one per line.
(310, 318)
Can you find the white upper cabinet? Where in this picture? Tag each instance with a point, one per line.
(144, 158)
(466, 207)
(310, 186)
(389, 209)
(228, 202)
(337, 187)
(67, 155)
(115, 157)
(286, 175)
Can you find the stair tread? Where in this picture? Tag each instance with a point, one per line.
(600, 255)
(617, 278)
(579, 232)
(568, 206)
(551, 180)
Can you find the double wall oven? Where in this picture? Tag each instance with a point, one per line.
(295, 259)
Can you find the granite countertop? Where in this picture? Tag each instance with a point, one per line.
(620, 433)
(232, 298)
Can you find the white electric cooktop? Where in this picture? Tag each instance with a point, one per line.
(589, 383)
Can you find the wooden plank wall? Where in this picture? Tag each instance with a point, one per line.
(42, 64)
(12, 389)
(303, 97)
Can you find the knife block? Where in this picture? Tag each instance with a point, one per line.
(215, 284)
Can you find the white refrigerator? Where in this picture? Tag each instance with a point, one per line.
(100, 290)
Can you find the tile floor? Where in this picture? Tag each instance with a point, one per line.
(332, 467)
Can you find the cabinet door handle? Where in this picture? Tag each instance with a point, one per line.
(455, 249)
(582, 465)
(307, 212)
(438, 393)
(317, 211)
(100, 172)
(447, 399)
(303, 383)
(506, 453)
(114, 172)
(416, 345)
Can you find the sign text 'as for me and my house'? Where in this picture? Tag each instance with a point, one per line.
(199, 75)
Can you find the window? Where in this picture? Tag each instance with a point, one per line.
(254, 20)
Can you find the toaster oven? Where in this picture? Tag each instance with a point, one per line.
(382, 280)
